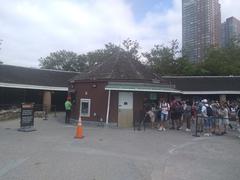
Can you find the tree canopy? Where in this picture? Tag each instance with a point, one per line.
(70, 61)
(61, 60)
(164, 60)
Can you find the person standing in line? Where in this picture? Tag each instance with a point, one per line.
(165, 107)
(225, 117)
(187, 115)
(172, 113)
(68, 108)
(207, 123)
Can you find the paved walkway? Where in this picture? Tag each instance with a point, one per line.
(52, 153)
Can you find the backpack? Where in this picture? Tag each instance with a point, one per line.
(179, 109)
(209, 111)
(188, 109)
(199, 108)
(238, 113)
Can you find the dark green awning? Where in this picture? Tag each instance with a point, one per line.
(141, 87)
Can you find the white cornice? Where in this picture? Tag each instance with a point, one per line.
(27, 86)
(210, 92)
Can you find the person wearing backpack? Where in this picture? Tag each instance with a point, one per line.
(187, 115)
(164, 107)
(206, 114)
(179, 112)
(210, 119)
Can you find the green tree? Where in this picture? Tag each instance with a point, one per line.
(131, 48)
(223, 61)
(63, 60)
(70, 61)
(165, 60)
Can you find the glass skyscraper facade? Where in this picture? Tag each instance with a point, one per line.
(230, 31)
(201, 27)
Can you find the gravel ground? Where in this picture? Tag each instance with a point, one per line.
(52, 153)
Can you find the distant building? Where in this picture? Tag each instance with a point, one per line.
(230, 31)
(201, 23)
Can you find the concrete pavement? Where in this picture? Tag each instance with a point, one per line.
(51, 152)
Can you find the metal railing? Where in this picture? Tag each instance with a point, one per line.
(217, 125)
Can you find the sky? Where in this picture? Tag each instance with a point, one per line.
(31, 29)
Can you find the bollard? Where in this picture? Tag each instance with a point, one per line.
(45, 113)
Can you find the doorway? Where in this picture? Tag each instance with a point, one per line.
(125, 109)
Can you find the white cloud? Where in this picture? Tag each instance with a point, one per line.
(32, 29)
(230, 8)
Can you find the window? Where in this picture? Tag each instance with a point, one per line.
(85, 107)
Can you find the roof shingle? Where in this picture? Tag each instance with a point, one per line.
(119, 69)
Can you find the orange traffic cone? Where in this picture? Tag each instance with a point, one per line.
(79, 130)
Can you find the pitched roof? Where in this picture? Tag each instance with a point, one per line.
(205, 83)
(119, 69)
(34, 77)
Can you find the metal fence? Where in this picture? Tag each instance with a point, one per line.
(216, 125)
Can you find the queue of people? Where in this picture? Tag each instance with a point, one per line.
(211, 117)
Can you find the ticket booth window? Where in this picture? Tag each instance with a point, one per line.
(85, 107)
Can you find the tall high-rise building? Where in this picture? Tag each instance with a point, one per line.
(230, 31)
(201, 27)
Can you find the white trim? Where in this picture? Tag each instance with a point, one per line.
(89, 106)
(143, 90)
(194, 77)
(108, 106)
(27, 86)
(211, 92)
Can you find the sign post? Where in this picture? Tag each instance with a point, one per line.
(27, 117)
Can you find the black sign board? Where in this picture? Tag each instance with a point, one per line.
(27, 117)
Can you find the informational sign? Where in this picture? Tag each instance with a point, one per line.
(27, 117)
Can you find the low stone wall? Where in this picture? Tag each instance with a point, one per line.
(9, 114)
(16, 113)
(39, 114)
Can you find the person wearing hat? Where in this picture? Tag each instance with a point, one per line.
(68, 107)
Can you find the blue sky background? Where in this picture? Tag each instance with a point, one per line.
(31, 29)
(141, 7)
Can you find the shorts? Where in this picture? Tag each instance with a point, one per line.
(219, 121)
(208, 122)
(164, 117)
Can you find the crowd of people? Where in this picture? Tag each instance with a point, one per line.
(212, 117)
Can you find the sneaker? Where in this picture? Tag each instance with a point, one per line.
(160, 129)
(206, 134)
(163, 129)
(188, 130)
(180, 128)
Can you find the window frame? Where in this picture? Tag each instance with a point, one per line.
(84, 100)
